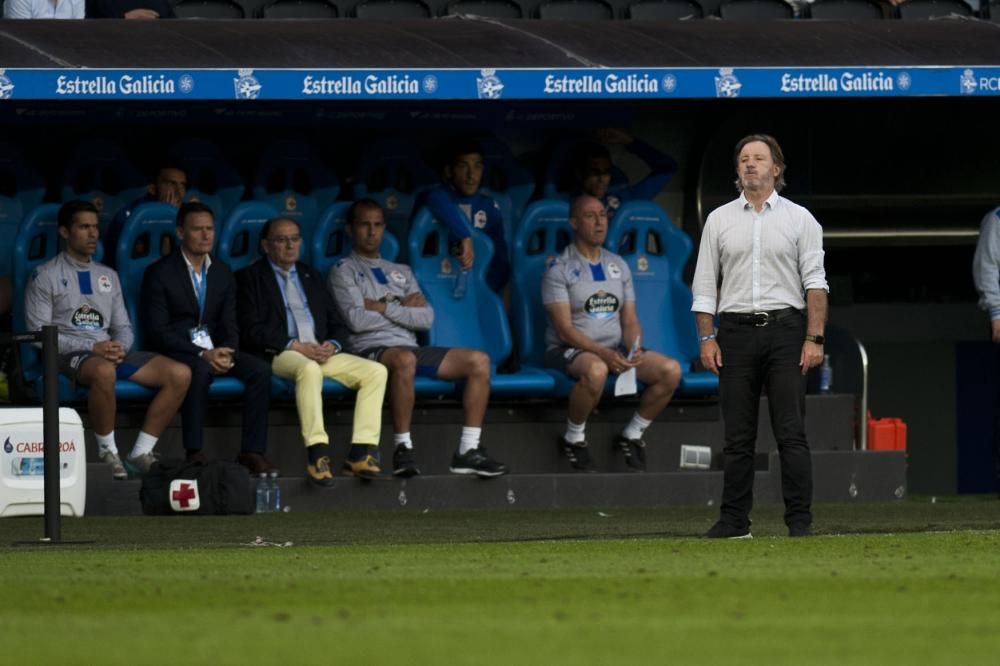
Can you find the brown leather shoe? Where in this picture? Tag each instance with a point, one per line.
(256, 463)
(320, 472)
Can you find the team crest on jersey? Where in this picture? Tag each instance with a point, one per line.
(479, 219)
(614, 271)
(601, 305)
(397, 277)
(104, 284)
(87, 318)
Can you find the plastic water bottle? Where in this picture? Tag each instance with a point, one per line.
(262, 496)
(461, 282)
(274, 500)
(825, 375)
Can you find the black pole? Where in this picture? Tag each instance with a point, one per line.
(50, 432)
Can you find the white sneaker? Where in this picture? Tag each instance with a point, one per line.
(139, 465)
(109, 457)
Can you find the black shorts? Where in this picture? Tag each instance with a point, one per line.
(70, 364)
(561, 357)
(428, 358)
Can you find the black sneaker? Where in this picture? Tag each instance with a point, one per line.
(475, 461)
(634, 451)
(800, 530)
(722, 530)
(403, 464)
(578, 454)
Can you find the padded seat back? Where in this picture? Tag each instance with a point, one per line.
(238, 242)
(151, 233)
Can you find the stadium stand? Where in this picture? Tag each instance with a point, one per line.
(664, 10)
(21, 189)
(209, 9)
(293, 179)
(331, 242)
(933, 9)
(575, 10)
(238, 239)
(491, 8)
(100, 172)
(392, 10)
(477, 319)
(211, 178)
(393, 172)
(845, 10)
(744, 10)
(299, 9)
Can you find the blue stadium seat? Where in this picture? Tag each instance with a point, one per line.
(503, 174)
(656, 251)
(296, 182)
(211, 178)
(38, 241)
(542, 235)
(150, 233)
(331, 242)
(100, 172)
(477, 320)
(238, 240)
(392, 172)
(21, 189)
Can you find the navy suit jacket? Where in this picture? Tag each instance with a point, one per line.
(169, 307)
(261, 309)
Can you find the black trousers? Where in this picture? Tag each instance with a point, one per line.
(754, 358)
(255, 375)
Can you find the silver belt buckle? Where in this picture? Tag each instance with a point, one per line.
(763, 319)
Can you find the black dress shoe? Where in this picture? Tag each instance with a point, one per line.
(256, 463)
(800, 530)
(722, 530)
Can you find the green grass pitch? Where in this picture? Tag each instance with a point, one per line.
(904, 583)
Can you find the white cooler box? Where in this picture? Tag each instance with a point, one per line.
(22, 491)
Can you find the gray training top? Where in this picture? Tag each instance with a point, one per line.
(595, 293)
(83, 299)
(355, 278)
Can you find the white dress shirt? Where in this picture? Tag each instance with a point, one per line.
(44, 9)
(986, 264)
(753, 261)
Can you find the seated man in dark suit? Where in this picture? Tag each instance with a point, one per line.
(287, 317)
(188, 312)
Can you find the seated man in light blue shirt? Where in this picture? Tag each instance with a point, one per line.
(44, 9)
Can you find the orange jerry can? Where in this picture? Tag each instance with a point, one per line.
(886, 434)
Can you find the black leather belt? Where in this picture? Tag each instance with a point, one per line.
(760, 318)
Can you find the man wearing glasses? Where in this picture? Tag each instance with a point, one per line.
(288, 318)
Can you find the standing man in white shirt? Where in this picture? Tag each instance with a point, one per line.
(986, 275)
(44, 9)
(760, 265)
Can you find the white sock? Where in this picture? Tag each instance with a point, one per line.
(635, 427)
(574, 432)
(470, 439)
(402, 438)
(144, 443)
(106, 443)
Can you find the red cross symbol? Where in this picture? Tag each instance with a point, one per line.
(183, 495)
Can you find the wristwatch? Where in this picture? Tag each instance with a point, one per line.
(818, 339)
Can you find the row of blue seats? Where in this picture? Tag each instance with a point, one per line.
(574, 10)
(654, 248)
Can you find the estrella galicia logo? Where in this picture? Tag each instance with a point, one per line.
(903, 81)
(669, 83)
(186, 83)
(247, 86)
(967, 83)
(726, 83)
(87, 318)
(7, 446)
(6, 85)
(489, 86)
(430, 84)
(601, 305)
